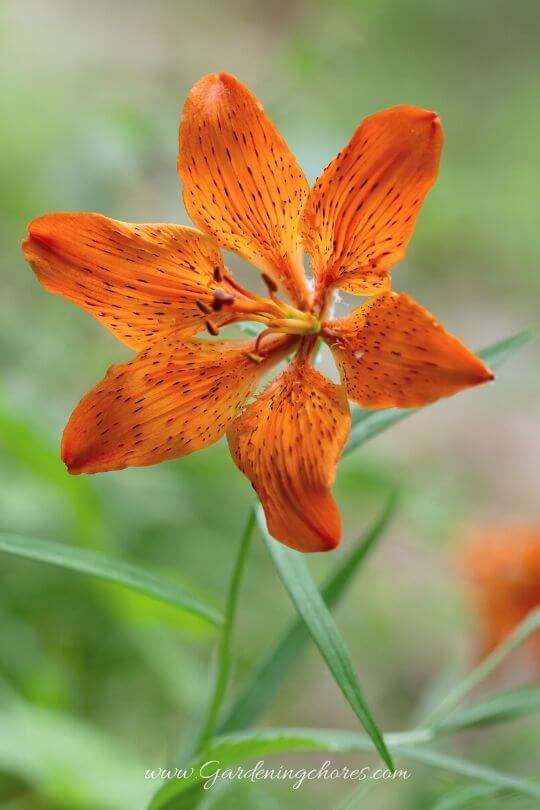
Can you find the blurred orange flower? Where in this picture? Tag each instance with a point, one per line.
(502, 565)
(156, 286)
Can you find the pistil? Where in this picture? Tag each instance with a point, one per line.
(234, 303)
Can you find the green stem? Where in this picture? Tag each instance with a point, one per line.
(224, 656)
(527, 627)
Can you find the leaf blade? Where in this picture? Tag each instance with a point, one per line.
(494, 709)
(224, 658)
(307, 599)
(109, 569)
(264, 682)
(239, 746)
(528, 626)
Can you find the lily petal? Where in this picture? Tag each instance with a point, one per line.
(288, 443)
(363, 208)
(139, 281)
(391, 352)
(172, 399)
(241, 182)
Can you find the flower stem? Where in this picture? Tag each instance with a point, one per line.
(224, 656)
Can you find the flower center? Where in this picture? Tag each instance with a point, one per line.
(235, 304)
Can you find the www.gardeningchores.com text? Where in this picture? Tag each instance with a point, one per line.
(210, 773)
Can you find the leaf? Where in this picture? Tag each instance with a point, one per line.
(224, 657)
(69, 762)
(356, 797)
(495, 778)
(494, 709)
(498, 353)
(297, 580)
(522, 632)
(366, 424)
(239, 746)
(25, 445)
(264, 682)
(464, 796)
(107, 568)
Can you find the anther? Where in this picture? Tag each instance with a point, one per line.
(255, 358)
(206, 310)
(211, 328)
(221, 299)
(218, 275)
(270, 283)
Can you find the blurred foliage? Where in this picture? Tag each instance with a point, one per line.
(99, 680)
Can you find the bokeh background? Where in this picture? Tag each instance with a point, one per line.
(96, 683)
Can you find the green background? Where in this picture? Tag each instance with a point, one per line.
(98, 684)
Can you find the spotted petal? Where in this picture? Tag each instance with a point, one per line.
(172, 399)
(362, 210)
(288, 443)
(138, 280)
(241, 182)
(393, 353)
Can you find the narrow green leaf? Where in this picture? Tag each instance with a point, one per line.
(67, 761)
(357, 797)
(265, 681)
(366, 424)
(224, 657)
(107, 568)
(305, 595)
(445, 762)
(527, 627)
(239, 746)
(494, 709)
(498, 353)
(22, 442)
(466, 796)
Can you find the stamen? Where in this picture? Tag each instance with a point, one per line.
(218, 275)
(255, 358)
(262, 335)
(270, 283)
(221, 299)
(204, 309)
(211, 328)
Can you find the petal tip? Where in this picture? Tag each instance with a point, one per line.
(39, 229)
(213, 86)
(72, 451)
(44, 232)
(226, 78)
(26, 245)
(482, 373)
(330, 542)
(306, 536)
(431, 116)
(314, 543)
(72, 470)
(72, 463)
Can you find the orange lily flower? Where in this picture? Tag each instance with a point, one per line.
(156, 286)
(502, 566)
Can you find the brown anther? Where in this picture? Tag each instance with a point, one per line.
(221, 299)
(270, 283)
(212, 328)
(218, 275)
(255, 358)
(206, 310)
